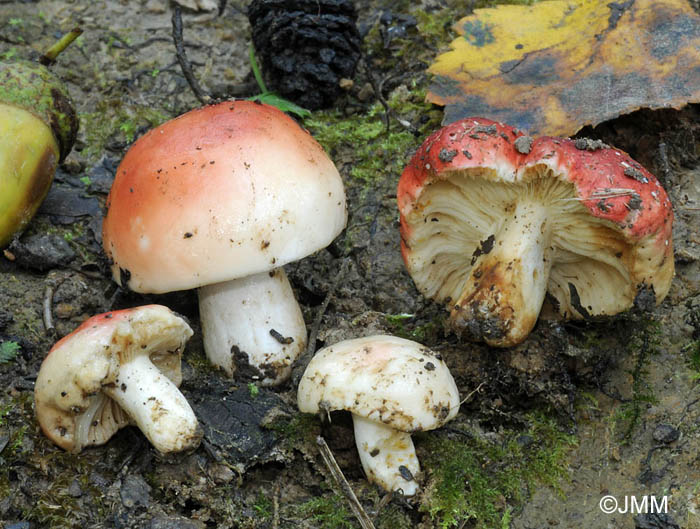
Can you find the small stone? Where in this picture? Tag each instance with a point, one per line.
(156, 7)
(221, 473)
(523, 144)
(64, 311)
(74, 490)
(19, 525)
(198, 5)
(588, 144)
(175, 522)
(42, 252)
(525, 440)
(665, 433)
(655, 521)
(98, 480)
(135, 492)
(366, 92)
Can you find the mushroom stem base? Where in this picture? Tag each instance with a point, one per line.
(156, 405)
(387, 455)
(253, 326)
(505, 289)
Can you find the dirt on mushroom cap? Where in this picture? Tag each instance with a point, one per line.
(382, 378)
(218, 193)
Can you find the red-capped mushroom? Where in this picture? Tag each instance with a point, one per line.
(115, 369)
(221, 198)
(492, 220)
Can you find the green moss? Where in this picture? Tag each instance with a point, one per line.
(393, 517)
(482, 482)
(115, 120)
(692, 351)
(253, 390)
(436, 27)
(72, 233)
(54, 506)
(197, 359)
(378, 151)
(326, 512)
(8, 352)
(263, 506)
(643, 335)
(296, 430)
(692, 348)
(404, 326)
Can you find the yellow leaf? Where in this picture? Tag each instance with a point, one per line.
(559, 65)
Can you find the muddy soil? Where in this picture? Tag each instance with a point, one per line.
(577, 412)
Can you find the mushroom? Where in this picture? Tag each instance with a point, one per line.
(118, 368)
(221, 198)
(493, 220)
(392, 387)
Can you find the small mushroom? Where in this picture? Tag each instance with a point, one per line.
(221, 198)
(118, 368)
(392, 387)
(508, 219)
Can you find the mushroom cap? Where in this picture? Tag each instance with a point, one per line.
(386, 379)
(219, 193)
(612, 219)
(76, 368)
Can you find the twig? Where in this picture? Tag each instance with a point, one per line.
(47, 315)
(337, 474)
(472, 393)
(305, 358)
(378, 87)
(199, 93)
(383, 503)
(276, 507)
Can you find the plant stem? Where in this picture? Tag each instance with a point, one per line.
(256, 69)
(49, 56)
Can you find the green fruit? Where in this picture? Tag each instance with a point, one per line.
(38, 125)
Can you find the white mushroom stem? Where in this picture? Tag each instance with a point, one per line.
(387, 455)
(155, 404)
(507, 284)
(255, 321)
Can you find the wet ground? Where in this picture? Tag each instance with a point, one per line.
(577, 412)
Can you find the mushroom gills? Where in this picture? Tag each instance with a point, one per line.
(156, 405)
(388, 456)
(253, 326)
(458, 232)
(98, 422)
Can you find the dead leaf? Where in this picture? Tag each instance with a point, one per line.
(557, 66)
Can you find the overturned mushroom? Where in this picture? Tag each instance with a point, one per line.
(492, 221)
(221, 198)
(393, 387)
(118, 368)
